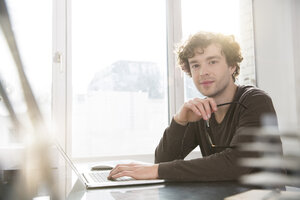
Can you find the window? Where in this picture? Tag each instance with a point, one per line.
(119, 76)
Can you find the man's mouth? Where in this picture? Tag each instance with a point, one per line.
(206, 83)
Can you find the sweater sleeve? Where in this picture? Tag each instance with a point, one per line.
(223, 165)
(172, 145)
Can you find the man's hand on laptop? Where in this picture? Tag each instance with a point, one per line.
(136, 171)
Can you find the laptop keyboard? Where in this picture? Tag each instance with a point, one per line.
(99, 177)
(102, 177)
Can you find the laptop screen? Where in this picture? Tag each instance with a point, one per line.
(65, 174)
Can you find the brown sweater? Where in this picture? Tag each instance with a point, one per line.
(178, 141)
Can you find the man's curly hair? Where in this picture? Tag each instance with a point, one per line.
(229, 47)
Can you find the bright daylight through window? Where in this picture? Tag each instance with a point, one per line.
(119, 76)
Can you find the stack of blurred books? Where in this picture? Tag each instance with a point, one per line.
(277, 164)
(265, 195)
(275, 168)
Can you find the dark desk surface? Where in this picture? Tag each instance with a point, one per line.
(171, 190)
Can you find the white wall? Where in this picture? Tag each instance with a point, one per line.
(277, 55)
(296, 44)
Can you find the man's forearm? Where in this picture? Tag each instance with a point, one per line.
(169, 147)
(212, 168)
(178, 121)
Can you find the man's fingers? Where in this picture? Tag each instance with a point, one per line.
(121, 174)
(209, 105)
(197, 107)
(123, 167)
(193, 107)
(202, 110)
(213, 104)
(207, 108)
(135, 171)
(118, 169)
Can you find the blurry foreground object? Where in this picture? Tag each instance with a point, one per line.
(265, 195)
(35, 176)
(275, 169)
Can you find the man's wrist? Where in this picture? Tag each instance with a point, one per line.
(178, 121)
(156, 170)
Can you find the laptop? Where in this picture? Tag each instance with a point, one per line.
(98, 179)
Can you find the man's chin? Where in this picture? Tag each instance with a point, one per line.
(206, 92)
(211, 94)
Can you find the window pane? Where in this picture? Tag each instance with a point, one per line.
(32, 26)
(119, 76)
(224, 17)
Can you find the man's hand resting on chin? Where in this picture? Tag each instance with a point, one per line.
(136, 171)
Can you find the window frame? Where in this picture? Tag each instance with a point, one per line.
(61, 73)
(175, 75)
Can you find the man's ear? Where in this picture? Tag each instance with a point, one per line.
(232, 69)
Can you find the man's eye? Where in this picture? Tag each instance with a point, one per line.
(195, 66)
(213, 62)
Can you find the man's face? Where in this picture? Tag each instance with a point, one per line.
(210, 71)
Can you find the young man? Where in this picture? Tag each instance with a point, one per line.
(214, 123)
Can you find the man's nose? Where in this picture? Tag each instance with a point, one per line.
(204, 70)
